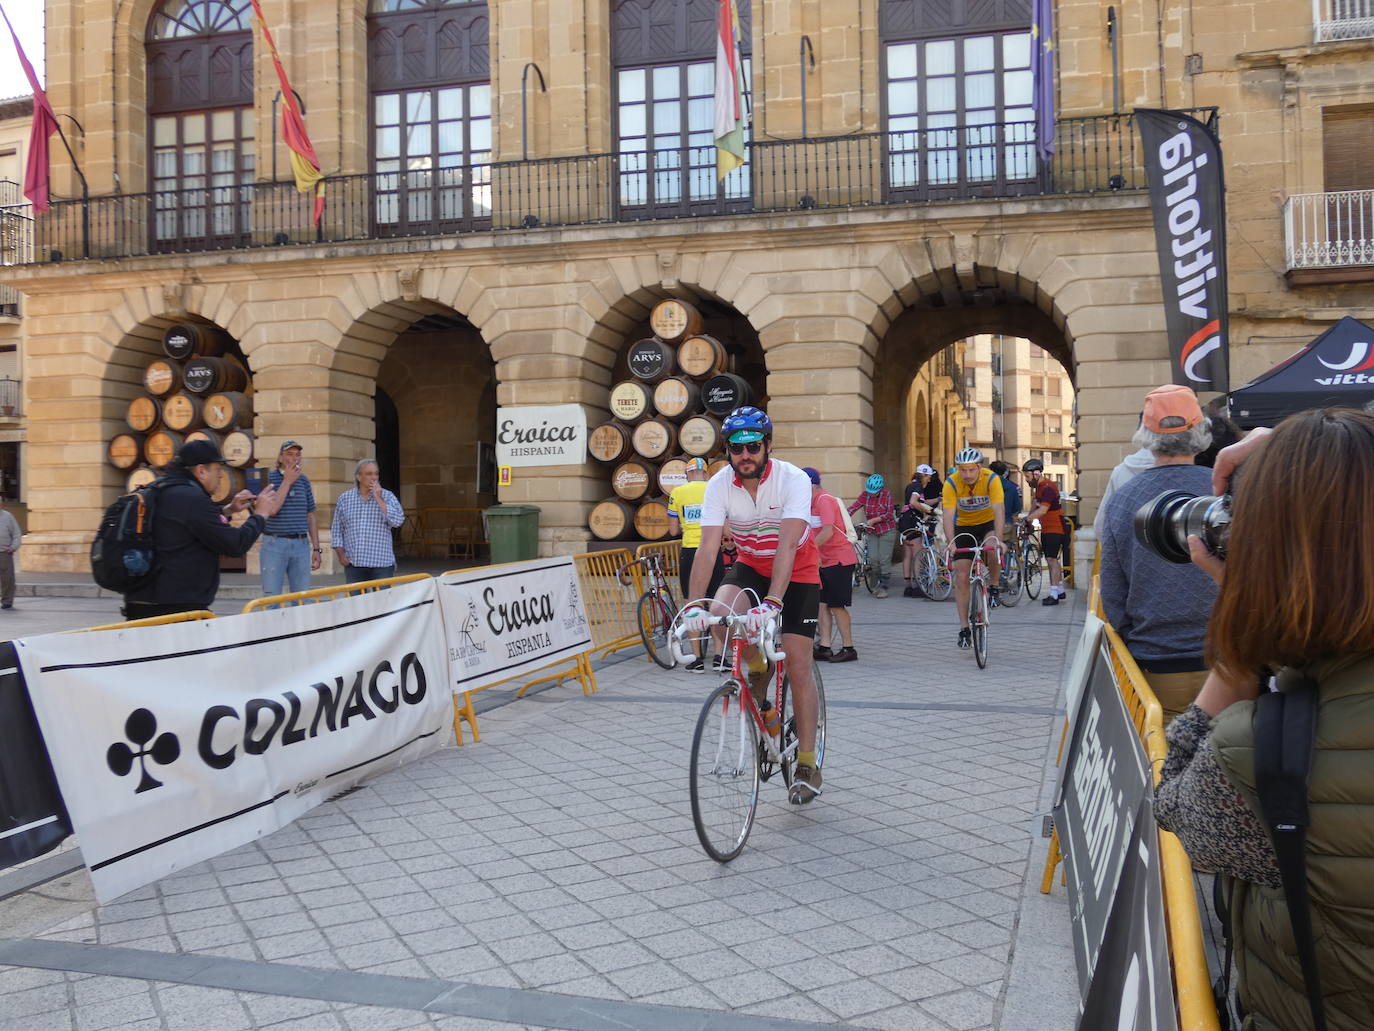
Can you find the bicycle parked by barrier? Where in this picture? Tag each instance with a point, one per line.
(732, 749)
(979, 598)
(866, 571)
(930, 571)
(655, 609)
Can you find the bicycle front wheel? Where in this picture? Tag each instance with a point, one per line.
(655, 624)
(944, 580)
(790, 743)
(1011, 579)
(978, 623)
(724, 781)
(1032, 571)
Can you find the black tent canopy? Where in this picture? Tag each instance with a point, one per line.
(1336, 370)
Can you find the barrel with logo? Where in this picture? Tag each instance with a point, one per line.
(228, 410)
(672, 474)
(237, 448)
(162, 376)
(140, 477)
(144, 414)
(631, 401)
(160, 447)
(190, 338)
(651, 519)
(699, 436)
(671, 320)
(654, 438)
(126, 450)
(233, 481)
(609, 442)
(182, 412)
(612, 520)
(209, 436)
(631, 480)
(208, 374)
(702, 357)
(651, 360)
(676, 398)
(725, 392)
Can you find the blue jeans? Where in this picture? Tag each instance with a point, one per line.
(285, 560)
(357, 574)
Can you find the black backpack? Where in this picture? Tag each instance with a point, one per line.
(123, 554)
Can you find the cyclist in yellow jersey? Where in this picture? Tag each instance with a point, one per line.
(973, 505)
(684, 517)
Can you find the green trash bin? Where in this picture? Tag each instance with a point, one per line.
(513, 532)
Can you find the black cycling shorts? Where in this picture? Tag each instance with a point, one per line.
(685, 559)
(1052, 545)
(837, 586)
(800, 602)
(963, 550)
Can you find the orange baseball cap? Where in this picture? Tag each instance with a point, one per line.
(1171, 409)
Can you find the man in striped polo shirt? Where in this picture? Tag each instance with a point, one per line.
(291, 542)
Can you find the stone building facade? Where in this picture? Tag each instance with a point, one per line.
(496, 232)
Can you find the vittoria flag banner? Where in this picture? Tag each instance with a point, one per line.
(1183, 167)
(305, 164)
(729, 92)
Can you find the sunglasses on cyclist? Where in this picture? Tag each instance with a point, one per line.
(753, 448)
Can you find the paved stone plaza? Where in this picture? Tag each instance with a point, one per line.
(549, 876)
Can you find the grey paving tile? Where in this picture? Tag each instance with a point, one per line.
(963, 1010)
(117, 1012)
(23, 1003)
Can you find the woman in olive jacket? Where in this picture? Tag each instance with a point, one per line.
(1297, 600)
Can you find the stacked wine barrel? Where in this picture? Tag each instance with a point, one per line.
(199, 390)
(666, 414)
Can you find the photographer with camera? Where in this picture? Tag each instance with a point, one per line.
(1274, 789)
(1160, 607)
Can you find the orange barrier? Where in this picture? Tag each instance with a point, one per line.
(175, 617)
(318, 594)
(610, 604)
(671, 553)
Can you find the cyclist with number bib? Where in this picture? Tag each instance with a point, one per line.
(973, 505)
(767, 503)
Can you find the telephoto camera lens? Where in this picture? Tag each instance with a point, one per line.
(1165, 524)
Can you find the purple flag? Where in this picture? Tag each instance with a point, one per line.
(1042, 70)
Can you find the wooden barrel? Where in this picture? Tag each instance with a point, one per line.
(233, 481)
(702, 357)
(207, 374)
(227, 411)
(631, 480)
(651, 360)
(237, 448)
(190, 338)
(631, 401)
(140, 477)
(671, 320)
(651, 519)
(160, 447)
(716, 466)
(210, 436)
(126, 450)
(611, 520)
(699, 436)
(672, 474)
(677, 398)
(162, 376)
(182, 412)
(654, 438)
(609, 442)
(144, 414)
(725, 392)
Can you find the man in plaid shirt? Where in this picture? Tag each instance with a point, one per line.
(881, 516)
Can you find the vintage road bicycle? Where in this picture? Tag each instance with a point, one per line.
(655, 609)
(1028, 558)
(930, 569)
(979, 598)
(866, 572)
(732, 751)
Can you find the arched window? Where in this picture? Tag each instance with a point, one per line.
(200, 113)
(664, 53)
(429, 68)
(957, 98)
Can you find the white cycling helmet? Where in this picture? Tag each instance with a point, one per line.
(969, 456)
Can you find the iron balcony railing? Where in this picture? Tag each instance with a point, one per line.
(1342, 19)
(1097, 154)
(1329, 230)
(11, 391)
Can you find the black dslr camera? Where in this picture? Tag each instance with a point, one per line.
(1165, 524)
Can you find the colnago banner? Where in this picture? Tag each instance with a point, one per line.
(173, 744)
(1183, 168)
(541, 435)
(504, 620)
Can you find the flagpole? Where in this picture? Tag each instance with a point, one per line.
(85, 188)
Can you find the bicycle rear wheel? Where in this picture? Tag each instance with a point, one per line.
(978, 623)
(789, 743)
(1032, 571)
(871, 577)
(724, 781)
(944, 580)
(1011, 579)
(655, 624)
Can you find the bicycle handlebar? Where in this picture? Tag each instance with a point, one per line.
(767, 637)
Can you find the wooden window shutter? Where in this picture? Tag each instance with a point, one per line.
(1347, 143)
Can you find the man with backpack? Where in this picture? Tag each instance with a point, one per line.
(190, 533)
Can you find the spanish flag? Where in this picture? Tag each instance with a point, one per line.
(304, 162)
(729, 99)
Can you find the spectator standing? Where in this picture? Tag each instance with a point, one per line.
(1126, 470)
(291, 541)
(10, 535)
(361, 532)
(191, 532)
(684, 519)
(922, 496)
(881, 516)
(837, 573)
(1160, 609)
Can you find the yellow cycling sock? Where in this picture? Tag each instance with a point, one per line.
(806, 759)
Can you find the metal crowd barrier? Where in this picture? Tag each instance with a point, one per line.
(319, 594)
(610, 605)
(671, 553)
(175, 617)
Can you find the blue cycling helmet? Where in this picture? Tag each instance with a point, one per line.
(746, 425)
(875, 483)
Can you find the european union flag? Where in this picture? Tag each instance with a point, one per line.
(1042, 68)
